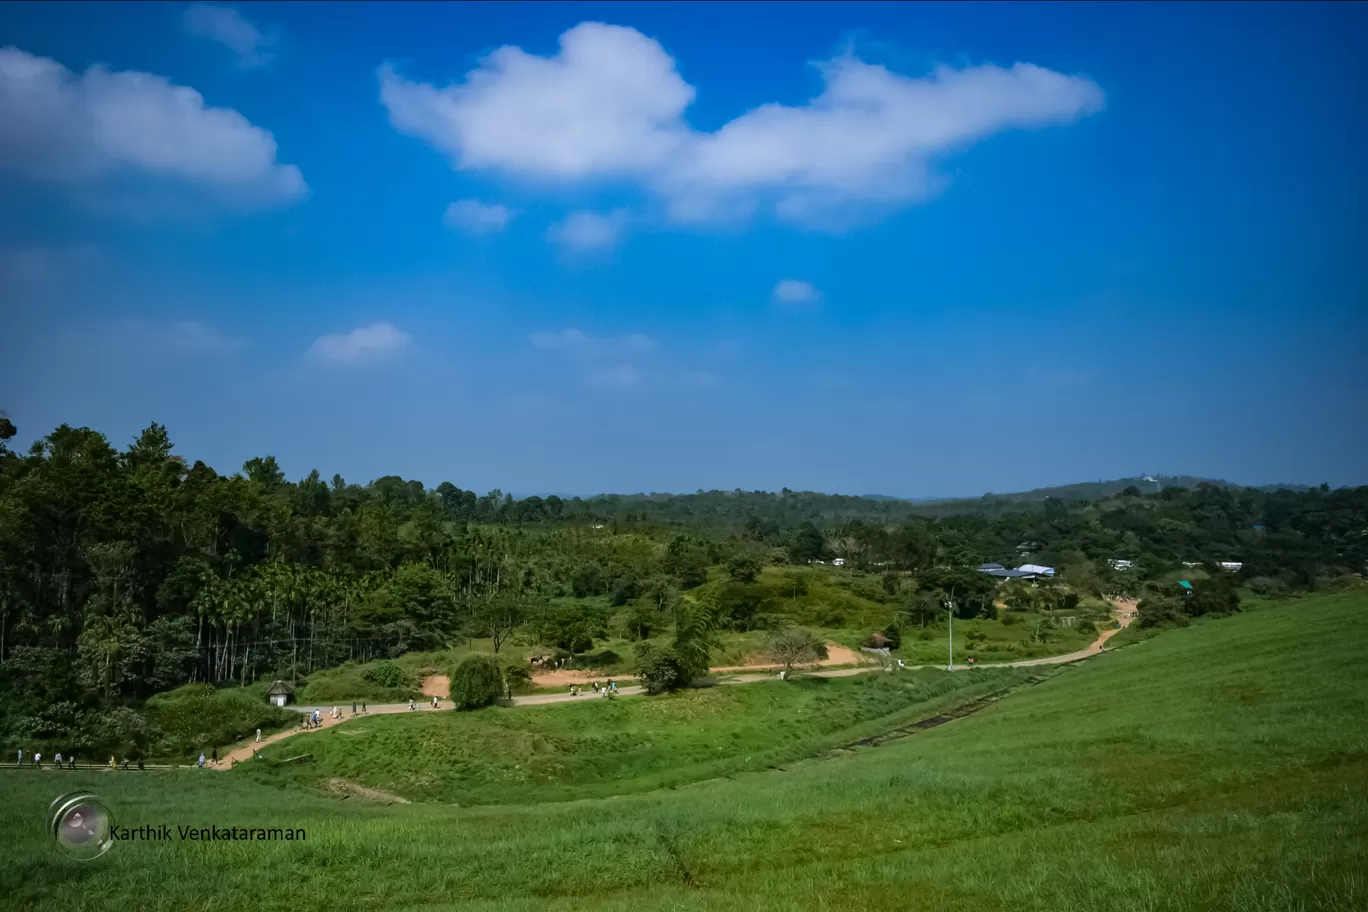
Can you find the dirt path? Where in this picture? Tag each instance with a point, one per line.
(836, 655)
(436, 686)
(1124, 613)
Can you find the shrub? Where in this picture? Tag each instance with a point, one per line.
(659, 668)
(1009, 619)
(384, 673)
(795, 646)
(476, 682)
(517, 677)
(894, 634)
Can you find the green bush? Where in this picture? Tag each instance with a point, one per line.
(477, 681)
(384, 673)
(659, 668)
(517, 677)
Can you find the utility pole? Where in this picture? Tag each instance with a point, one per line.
(950, 607)
(950, 665)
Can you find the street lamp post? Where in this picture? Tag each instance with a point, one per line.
(950, 609)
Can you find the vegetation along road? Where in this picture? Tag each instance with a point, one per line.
(1125, 613)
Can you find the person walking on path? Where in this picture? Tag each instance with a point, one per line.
(71, 762)
(200, 765)
(258, 734)
(434, 702)
(363, 706)
(353, 707)
(59, 761)
(20, 763)
(113, 764)
(214, 757)
(37, 761)
(410, 704)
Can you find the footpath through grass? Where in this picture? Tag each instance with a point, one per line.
(1220, 767)
(612, 746)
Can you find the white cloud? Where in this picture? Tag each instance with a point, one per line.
(55, 125)
(611, 104)
(796, 292)
(229, 28)
(363, 345)
(583, 231)
(475, 217)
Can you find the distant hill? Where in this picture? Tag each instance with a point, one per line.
(1084, 490)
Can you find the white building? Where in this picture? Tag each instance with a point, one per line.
(1120, 564)
(1230, 566)
(838, 562)
(1036, 569)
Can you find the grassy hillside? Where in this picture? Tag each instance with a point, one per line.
(615, 746)
(1219, 767)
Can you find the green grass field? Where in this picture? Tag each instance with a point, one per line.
(1223, 766)
(604, 747)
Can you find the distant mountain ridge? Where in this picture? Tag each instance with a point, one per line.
(1093, 490)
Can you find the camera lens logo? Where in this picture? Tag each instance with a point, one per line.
(81, 825)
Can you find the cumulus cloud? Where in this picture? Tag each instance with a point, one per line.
(57, 126)
(232, 30)
(796, 292)
(475, 217)
(610, 104)
(584, 231)
(363, 345)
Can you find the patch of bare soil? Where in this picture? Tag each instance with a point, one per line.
(565, 677)
(436, 686)
(836, 655)
(349, 788)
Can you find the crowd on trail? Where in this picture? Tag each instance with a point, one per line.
(604, 690)
(69, 761)
(308, 721)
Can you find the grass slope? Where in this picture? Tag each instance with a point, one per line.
(606, 747)
(1223, 767)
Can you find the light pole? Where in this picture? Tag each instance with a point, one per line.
(950, 608)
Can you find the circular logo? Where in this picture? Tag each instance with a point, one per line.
(80, 823)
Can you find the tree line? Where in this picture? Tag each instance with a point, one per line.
(150, 571)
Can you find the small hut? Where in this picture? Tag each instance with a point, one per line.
(280, 693)
(878, 641)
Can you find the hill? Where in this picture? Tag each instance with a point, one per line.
(1223, 766)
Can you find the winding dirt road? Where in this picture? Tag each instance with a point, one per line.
(1124, 613)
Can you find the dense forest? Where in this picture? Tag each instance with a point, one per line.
(125, 573)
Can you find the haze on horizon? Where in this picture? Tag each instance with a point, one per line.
(908, 250)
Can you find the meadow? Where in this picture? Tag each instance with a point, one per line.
(1221, 766)
(604, 747)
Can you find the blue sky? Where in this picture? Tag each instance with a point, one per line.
(908, 249)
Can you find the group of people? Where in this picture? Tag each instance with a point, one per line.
(600, 690)
(36, 761)
(436, 703)
(69, 761)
